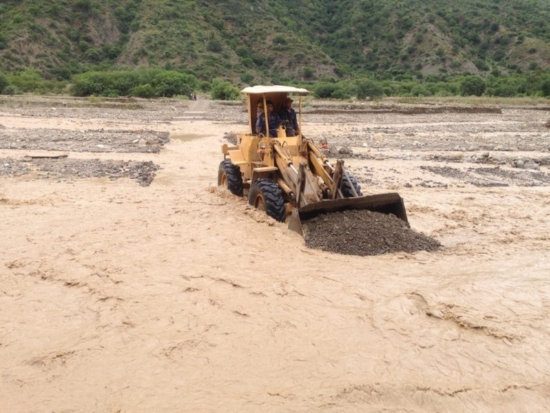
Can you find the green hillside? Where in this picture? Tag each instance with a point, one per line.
(277, 40)
(437, 36)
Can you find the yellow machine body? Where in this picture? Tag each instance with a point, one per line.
(309, 184)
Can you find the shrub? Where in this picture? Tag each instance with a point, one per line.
(499, 55)
(308, 72)
(11, 90)
(324, 90)
(27, 81)
(93, 55)
(505, 86)
(279, 39)
(420, 90)
(545, 87)
(171, 83)
(223, 90)
(369, 88)
(204, 86)
(3, 82)
(143, 91)
(472, 86)
(214, 45)
(343, 91)
(243, 52)
(481, 65)
(87, 84)
(32, 81)
(111, 51)
(145, 83)
(247, 77)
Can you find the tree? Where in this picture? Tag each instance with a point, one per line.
(3, 82)
(546, 87)
(472, 86)
(369, 88)
(324, 90)
(170, 83)
(223, 90)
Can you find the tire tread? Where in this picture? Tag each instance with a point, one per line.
(273, 198)
(346, 186)
(233, 177)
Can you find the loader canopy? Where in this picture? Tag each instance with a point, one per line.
(276, 94)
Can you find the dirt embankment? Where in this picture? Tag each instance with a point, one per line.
(60, 168)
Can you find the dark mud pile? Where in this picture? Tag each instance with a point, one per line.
(64, 169)
(363, 232)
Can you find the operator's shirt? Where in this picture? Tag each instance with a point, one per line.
(288, 118)
(274, 122)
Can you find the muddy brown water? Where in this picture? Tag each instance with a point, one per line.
(181, 297)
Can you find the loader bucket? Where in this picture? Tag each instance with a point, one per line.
(389, 203)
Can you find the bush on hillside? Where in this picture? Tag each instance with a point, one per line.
(27, 81)
(31, 81)
(143, 91)
(343, 90)
(506, 87)
(335, 90)
(472, 86)
(3, 82)
(545, 87)
(171, 83)
(369, 89)
(143, 83)
(324, 90)
(223, 90)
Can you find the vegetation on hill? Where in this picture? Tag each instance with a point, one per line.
(438, 36)
(344, 48)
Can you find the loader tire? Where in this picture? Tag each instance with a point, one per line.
(266, 195)
(229, 175)
(346, 186)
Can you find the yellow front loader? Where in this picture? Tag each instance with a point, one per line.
(287, 176)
